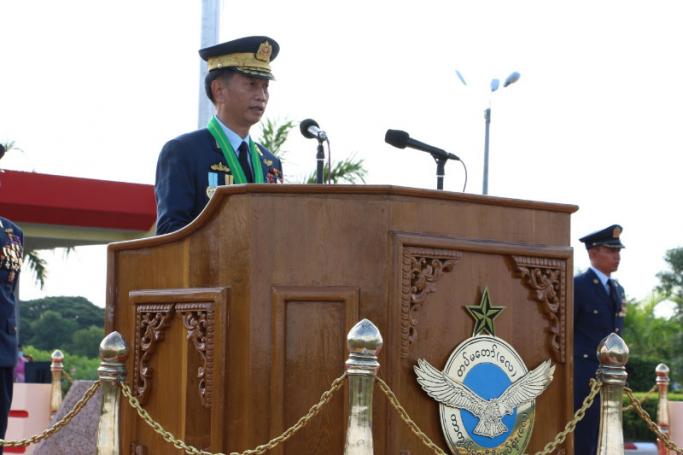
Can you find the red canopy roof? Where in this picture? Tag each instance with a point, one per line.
(75, 211)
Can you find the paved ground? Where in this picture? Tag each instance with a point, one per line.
(640, 448)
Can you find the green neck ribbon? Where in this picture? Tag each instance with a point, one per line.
(231, 157)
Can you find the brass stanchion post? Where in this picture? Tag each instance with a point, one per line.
(364, 342)
(113, 355)
(613, 355)
(56, 368)
(662, 372)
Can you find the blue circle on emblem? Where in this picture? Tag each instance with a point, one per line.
(488, 381)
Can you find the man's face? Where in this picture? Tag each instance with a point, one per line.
(605, 259)
(240, 101)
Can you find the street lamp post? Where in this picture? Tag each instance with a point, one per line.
(511, 79)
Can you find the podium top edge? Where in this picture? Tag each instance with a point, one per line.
(358, 190)
(393, 190)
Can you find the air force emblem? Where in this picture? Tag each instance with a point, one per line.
(486, 394)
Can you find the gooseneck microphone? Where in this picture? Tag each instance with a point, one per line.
(401, 139)
(310, 129)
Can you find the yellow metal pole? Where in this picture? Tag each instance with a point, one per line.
(56, 367)
(662, 372)
(613, 355)
(365, 342)
(113, 355)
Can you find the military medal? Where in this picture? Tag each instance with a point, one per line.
(11, 255)
(213, 183)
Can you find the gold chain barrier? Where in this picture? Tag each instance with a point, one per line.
(650, 423)
(364, 342)
(406, 418)
(288, 433)
(548, 449)
(58, 425)
(640, 402)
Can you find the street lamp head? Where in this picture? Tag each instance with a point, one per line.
(495, 83)
(512, 78)
(462, 79)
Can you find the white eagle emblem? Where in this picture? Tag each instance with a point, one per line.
(444, 389)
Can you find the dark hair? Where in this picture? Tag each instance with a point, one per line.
(225, 73)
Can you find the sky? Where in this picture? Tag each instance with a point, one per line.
(95, 88)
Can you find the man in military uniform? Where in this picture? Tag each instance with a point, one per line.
(599, 309)
(11, 254)
(192, 165)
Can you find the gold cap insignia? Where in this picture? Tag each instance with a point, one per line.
(264, 51)
(616, 232)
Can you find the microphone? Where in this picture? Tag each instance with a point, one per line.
(310, 129)
(401, 139)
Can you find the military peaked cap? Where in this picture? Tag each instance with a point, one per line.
(608, 237)
(250, 56)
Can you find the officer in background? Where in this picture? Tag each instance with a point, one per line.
(599, 309)
(192, 165)
(11, 255)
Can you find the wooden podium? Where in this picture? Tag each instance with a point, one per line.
(237, 323)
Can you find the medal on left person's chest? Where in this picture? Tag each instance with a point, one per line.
(11, 254)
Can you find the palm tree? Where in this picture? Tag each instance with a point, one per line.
(347, 170)
(274, 135)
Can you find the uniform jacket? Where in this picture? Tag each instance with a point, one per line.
(596, 314)
(182, 177)
(11, 255)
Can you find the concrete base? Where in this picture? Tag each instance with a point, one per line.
(79, 437)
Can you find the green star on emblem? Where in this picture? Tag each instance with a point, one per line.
(484, 314)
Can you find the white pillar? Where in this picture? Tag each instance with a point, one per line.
(210, 25)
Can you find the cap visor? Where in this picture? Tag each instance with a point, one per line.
(251, 72)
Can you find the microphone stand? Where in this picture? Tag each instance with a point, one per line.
(320, 158)
(440, 171)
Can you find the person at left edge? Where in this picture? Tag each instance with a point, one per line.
(192, 165)
(11, 255)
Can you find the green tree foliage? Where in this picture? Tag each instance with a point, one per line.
(273, 137)
(61, 323)
(641, 372)
(671, 281)
(52, 331)
(652, 340)
(86, 342)
(37, 265)
(347, 170)
(78, 367)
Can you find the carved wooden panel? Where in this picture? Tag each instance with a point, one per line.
(546, 279)
(198, 319)
(150, 323)
(421, 271)
(153, 319)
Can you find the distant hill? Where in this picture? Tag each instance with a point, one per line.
(72, 324)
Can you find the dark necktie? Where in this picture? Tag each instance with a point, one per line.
(244, 161)
(613, 292)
